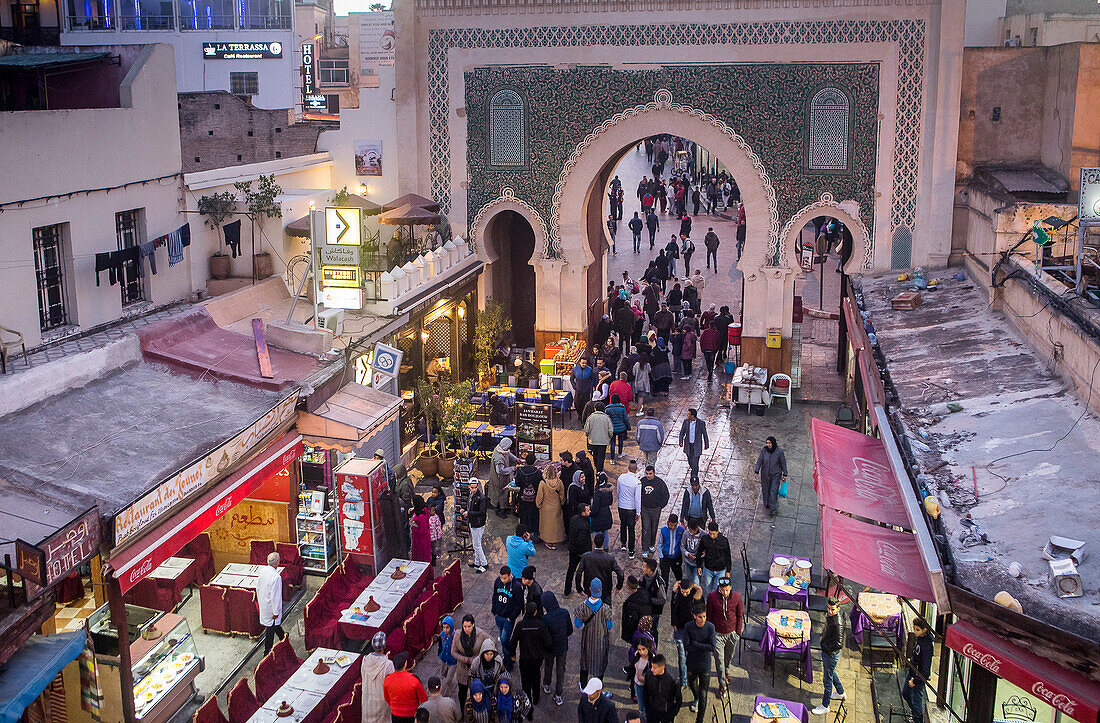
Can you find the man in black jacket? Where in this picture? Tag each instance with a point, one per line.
(686, 596)
(699, 644)
(654, 499)
(635, 606)
(595, 707)
(636, 224)
(662, 692)
(654, 588)
(832, 642)
(599, 563)
(506, 608)
(530, 589)
(560, 626)
(532, 638)
(474, 514)
(624, 325)
(920, 661)
(714, 557)
(579, 540)
(693, 440)
(697, 504)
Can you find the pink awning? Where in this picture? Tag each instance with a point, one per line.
(1070, 692)
(881, 557)
(852, 474)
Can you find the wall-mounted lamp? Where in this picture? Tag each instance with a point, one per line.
(312, 205)
(461, 312)
(362, 189)
(424, 336)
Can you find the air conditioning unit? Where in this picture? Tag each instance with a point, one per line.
(331, 320)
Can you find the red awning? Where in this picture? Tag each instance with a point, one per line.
(1067, 690)
(873, 555)
(852, 474)
(138, 560)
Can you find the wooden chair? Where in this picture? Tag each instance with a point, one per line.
(10, 340)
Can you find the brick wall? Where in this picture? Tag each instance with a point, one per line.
(218, 129)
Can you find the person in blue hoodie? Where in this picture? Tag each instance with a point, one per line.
(448, 664)
(520, 548)
(672, 557)
(620, 424)
(560, 627)
(506, 608)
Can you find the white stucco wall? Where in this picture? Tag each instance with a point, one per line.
(86, 150)
(982, 18)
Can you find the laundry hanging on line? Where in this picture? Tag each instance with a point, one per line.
(113, 261)
(176, 241)
(232, 233)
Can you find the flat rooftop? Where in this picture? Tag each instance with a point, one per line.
(1023, 438)
(110, 441)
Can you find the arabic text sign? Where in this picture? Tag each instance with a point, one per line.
(250, 520)
(179, 487)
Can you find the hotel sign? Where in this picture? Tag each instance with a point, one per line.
(309, 70)
(193, 478)
(242, 51)
(60, 553)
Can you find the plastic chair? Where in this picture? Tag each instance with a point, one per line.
(780, 386)
(258, 550)
(242, 702)
(10, 340)
(214, 608)
(209, 712)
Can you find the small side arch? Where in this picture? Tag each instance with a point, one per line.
(507, 201)
(847, 212)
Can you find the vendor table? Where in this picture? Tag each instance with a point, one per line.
(878, 612)
(796, 712)
(178, 573)
(312, 696)
(237, 574)
(789, 630)
(395, 600)
(781, 570)
(508, 394)
(749, 386)
(473, 431)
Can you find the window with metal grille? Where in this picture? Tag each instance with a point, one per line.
(128, 228)
(244, 83)
(829, 110)
(49, 271)
(901, 248)
(507, 130)
(333, 72)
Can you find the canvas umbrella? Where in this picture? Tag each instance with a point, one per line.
(409, 215)
(300, 227)
(411, 199)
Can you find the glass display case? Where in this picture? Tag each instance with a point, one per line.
(317, 540)
(164, 661)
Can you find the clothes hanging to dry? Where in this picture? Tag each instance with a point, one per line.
(148, 250)
(232, 233)
(176, 241)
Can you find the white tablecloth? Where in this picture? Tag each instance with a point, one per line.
(386, 591)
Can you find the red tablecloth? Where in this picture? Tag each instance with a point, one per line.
(357, 631)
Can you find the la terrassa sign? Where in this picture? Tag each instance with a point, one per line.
(242, 51)
(198, 475)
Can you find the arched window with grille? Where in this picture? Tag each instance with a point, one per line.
(829, 122)
(507, 129)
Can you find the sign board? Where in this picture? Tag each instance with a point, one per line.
(342, 276)
(335, 297)
(315, 101)
(386, 359)
(309, 71)
(1088, 203)
(534, 429)
(199, 474)
(377, 41)
(343, 226)
(242, 51)
(339, 255)
(233, 532)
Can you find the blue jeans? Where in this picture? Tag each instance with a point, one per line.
(639, 693)
(505, 626)
(714, 255)
(638, 242)
(828, 665)
(690, 573)
(681, 655)
(620, 439)
(711, 579)
(914, 698)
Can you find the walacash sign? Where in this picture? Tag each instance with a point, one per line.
(195, 477)
(60, 553)
(242, 51)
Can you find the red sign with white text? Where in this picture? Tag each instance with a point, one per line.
(1066, 690)
(138, 561)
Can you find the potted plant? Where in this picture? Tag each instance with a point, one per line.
(216, 208)
(457, 413)
(430, 398)
(261, 205)
(491, 328)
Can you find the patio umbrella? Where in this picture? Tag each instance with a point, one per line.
(409, 215)
(411, 199)
(300, 227)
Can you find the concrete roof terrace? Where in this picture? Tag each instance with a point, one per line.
(1023, 439)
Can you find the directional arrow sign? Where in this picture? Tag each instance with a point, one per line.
(343, 226)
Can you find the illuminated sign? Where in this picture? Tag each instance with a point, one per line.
(334, 297)
(309, 71)
(340, 276)
(242, 51)
(343, 226)
(315, 102)
(1088, 203)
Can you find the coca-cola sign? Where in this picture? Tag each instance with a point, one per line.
(1061, 701)
(989, 661)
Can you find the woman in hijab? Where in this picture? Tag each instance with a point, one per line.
(549, 499)
(642, 385)
(420, 532)
(589, 472)
(501, 466)
(661, 371)
(479, 709)
(577, 495)
(488, 667)
(512, 705)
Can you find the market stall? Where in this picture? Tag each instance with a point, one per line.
(32, 669)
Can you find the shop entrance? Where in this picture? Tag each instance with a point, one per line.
(511, 238)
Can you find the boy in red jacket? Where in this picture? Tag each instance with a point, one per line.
(403, 691)
(725, 611)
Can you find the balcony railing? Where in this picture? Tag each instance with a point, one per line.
(32, 36)
(81, 24)
(206, 22)
(266, 23)
(147, 22)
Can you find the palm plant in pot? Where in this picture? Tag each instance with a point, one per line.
(447, 410)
